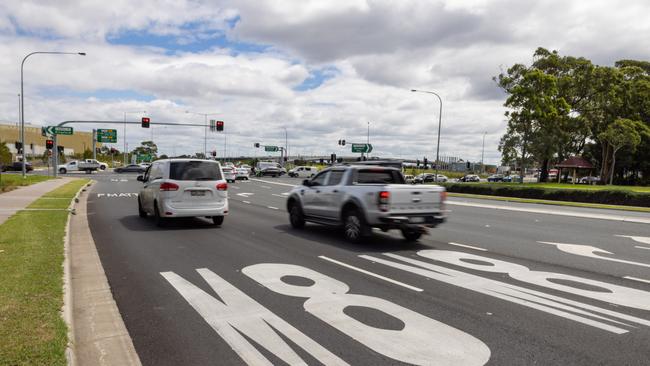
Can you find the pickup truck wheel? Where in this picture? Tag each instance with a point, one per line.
(354, 226)
(160, 221)
(411, 235)
(141, 211)
(217, 220)
(296, 217)
(63, 170)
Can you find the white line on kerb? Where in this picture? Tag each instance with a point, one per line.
(371, 274)
(273, 208)
(636, 279)
(467, 246)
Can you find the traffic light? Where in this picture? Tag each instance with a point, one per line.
(219, 125)
(343, 142)
(257, 144)
(333, 158)
(145, 122)
(98, 150)
(60, 149)
(18, 145)
(214, 153)
(49, 144)
(425, 163)
(468, 165)
(285, 159)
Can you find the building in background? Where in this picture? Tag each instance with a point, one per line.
(35, 141)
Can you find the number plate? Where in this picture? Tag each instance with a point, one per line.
(197, 193)
(416, 220)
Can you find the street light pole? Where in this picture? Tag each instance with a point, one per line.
(483, 153)
(205, 131)
(439, 126)
(368, 139)
(22, 100)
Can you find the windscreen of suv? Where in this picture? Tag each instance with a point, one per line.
(379, 176)
(194, 170)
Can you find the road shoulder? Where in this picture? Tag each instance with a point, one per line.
(98, 331)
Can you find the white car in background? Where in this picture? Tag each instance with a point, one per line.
(303, 172)
(229, 174)
(242, 173)
(183, 188)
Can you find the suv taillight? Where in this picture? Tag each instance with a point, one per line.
(383, 199)
(222, 187)
(443, 196)
(167, 186)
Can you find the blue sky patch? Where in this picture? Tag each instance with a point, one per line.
(316, 78)
(104, 94)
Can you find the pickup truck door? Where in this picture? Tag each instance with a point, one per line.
(312, 200)
(332, 195)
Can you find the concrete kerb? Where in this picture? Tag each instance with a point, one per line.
(97, 332)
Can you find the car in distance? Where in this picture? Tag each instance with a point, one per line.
(303, 172)
(87, 165)
(512, 179)
(131, 168)
(469, 178)
(408, 179)
(359, 198)
(17, 166)
(268, 168)
(589, 180)
(495, 178)
(242, 173)
(229, 174)
(429, 178)
(183, 188)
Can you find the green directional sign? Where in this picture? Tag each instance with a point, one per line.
(361, 148)
(271, 148)
(106, 135)
(144, 157)
(57, 130)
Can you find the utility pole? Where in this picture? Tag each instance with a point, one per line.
(94, 144)
(483, 153)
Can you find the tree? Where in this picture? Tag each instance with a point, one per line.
(147, 148)
(623, 132)
(5, 154)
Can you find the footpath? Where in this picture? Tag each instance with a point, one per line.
(96, 332)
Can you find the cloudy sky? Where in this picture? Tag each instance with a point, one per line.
(320, 69)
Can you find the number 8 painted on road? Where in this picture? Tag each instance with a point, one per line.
(421, 341)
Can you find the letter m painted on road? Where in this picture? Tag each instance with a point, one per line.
(240, 315)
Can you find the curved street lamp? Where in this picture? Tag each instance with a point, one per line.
(22, 101)
(439, 125)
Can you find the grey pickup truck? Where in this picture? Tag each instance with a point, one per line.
(359, 198)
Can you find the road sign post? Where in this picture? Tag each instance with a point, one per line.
(106, 135)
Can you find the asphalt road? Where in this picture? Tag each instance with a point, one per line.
(486, 287)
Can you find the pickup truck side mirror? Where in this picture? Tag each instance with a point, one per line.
(306, 183)
(140, 178)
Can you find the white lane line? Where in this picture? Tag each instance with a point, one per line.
(640, 239)
(234, 187)
(640, 220)
(278, 195)
(246, 202)
(467, 246)
(636, 279)
(267, 187)
(371, 274)
(278, 183)
(636, 246)
(272, 208)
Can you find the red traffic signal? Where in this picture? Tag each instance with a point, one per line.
(214, 153)
(145, 122)
(49, 144)
(219, 125)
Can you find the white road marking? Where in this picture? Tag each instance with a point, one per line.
(640, 239)
(467, 246)
(272, 208)
(371, 274)
(233, 187)
(278, 195)
(116, 195)
(589, 251)
(563, 212)
(594, 316)
(636, 279)
(246, 202)
(267, 187)
(278, 183)
(636, 246)
(244, 194)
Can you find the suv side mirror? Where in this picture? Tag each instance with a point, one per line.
(306, 183)
(140, 178)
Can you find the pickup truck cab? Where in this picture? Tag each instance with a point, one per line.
(303, 172)
(88, 166)
(359, 198)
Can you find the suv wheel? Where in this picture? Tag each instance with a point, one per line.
(354, 226)
(63, 170)
(160, 221)
(296, 217)
(141, 211)
(411, 235)
(217, 220)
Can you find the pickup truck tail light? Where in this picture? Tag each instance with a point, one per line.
(222, 186)
(443, 198)
(167, 186)
(383, 200)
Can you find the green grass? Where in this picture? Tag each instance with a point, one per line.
(572, 186)
(31, 285)
(549, 202)
(10, 182)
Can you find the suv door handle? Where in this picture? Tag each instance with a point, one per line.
(335, 191)
(317, 191)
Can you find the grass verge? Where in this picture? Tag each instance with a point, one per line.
(31, 285)
(10, 182)
(549, 202)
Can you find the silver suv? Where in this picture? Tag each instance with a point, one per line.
(183, 188)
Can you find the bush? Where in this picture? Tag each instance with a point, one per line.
(607, 197)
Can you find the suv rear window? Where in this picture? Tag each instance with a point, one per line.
(194, 170)
(379, 176)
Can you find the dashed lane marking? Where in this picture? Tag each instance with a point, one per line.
(267, 187)
(278, 183)
(636, 279)
(278, 195)
(247, 202)
(272, 208)
(636, 246)
(370, 273)
(467, 246)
